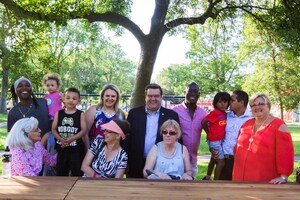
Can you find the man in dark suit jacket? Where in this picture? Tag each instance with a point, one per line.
(145, 123)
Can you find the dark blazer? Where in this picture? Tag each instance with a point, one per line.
(135, 142)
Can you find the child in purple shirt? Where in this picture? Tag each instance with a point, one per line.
(51, 83)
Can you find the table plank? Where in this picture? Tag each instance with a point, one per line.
(152, 189)
(39, 187)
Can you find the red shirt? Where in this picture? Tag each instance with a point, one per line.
(270, 154)
(216, 125)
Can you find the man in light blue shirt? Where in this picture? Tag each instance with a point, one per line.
(237, 116)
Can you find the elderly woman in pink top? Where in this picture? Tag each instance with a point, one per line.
(28, 153)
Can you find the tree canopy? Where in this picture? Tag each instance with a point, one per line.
(168, 16)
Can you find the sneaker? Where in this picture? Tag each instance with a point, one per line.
(206, 178)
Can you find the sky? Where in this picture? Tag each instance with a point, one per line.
(172, 49)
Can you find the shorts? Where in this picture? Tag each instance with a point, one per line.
(217, 146)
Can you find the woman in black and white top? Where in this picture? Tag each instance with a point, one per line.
(106, 158)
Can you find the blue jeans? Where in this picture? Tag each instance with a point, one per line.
(217, 146)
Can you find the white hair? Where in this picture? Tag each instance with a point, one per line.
(17, 137)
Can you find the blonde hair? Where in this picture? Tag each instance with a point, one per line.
(260, 95)
(52, 76)
(111, 87)
(17, 137)
(173, 124)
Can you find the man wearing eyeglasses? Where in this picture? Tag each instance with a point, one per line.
(237, 116)
(145, 123)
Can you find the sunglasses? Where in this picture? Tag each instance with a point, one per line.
(171, 133)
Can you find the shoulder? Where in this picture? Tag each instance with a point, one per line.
(38, 145)
(280, 124)
(140, 109)
(41, 102)
(178, 107)
(168, 111)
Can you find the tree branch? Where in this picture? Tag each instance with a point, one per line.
(110, 17)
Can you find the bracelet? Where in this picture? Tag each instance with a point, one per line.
(95, 175)
(284, 178)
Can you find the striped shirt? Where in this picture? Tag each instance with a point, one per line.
(101, 166)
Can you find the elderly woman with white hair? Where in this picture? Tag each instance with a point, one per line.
(168, 159)
(28, 153)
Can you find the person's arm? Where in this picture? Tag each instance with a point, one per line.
(86, 165)
(90, 117)
(54, 129)
(150, 161)
(284, 153)
(21, 166)
(205, 125)
(188, 172)
(120, 173)
(81, 133)
(47, 157)
(45, 139)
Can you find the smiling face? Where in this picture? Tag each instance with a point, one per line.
(24, 90)
(51, 85)
(170, 136)
(110, 136)
(192, 94)
(110, 98)
(153, 99)
(35, 135)
(259, 108)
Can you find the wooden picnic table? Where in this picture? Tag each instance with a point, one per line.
(88, 188)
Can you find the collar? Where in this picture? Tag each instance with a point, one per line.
(148, 112)
(186, 108)
(247, 113)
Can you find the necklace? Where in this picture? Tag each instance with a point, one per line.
(24, 114)
(251, 139)
(109, 115)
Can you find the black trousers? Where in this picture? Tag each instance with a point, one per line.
(69, 159)
(226, 173)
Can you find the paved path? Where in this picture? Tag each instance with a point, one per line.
(3, 124)
(206, 158)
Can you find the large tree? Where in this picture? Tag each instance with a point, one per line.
(167, 16)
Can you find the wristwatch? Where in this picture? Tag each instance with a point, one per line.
(284, 178)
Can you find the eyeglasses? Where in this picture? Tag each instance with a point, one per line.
(171, 133)
(259, 104)
(109, 131)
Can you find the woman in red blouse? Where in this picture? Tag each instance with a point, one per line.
(264, 151)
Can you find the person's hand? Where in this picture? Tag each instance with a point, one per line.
(214, 153)
(185, 176)
(162, 175)
(278, 180)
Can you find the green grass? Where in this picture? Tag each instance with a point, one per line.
(3, 117)
(295, 133)
(202, 167)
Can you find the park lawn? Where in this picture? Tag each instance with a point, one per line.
(3, 117)
(295, 133)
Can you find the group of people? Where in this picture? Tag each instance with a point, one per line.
(152, 142)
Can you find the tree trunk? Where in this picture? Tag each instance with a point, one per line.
(149, 50)
(4, 88)
(281, 107)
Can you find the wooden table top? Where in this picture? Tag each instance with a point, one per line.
(87, 188)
